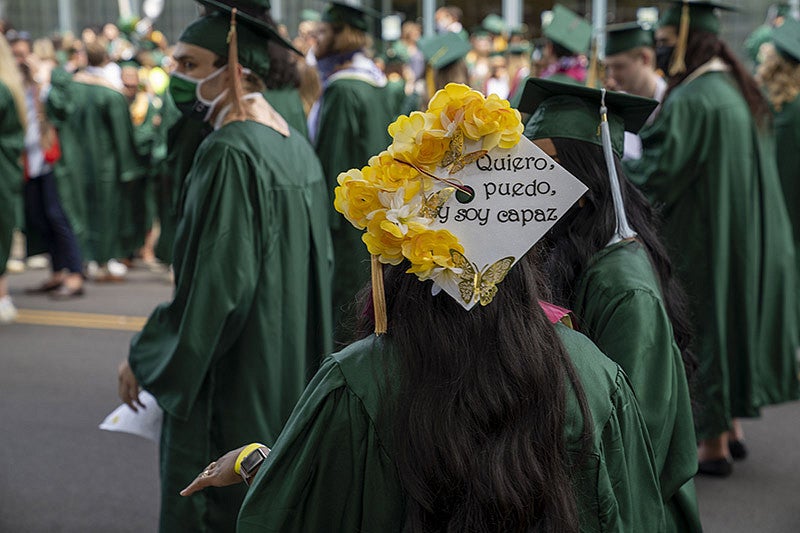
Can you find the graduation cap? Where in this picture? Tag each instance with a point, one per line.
(628, 36)
(395, 55)
(405, 200)
(569, 30)
(237, 35)
(252, 33)
(786, 38)
(310, 15)
(698, 15)
(596, 116)
(443, 49)
(358, 17)
(494, 24)
(516, 49)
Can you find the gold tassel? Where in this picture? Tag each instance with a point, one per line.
(678, 65)
(378, 296)
(429, 81)
(593, 76)
(237, 112)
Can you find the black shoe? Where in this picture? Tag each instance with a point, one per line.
(738, 449)
(44, 288)
(716, 467)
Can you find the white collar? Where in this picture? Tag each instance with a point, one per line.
(715, 64)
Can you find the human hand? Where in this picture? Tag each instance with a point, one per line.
(128, 387)
(217, 474)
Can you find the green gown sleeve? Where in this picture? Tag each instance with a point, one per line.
(616, 482)
(121, 129)
(633, 329)
(328, 470)
(628, 495)
(218, 257)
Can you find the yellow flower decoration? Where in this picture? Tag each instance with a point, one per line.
(453, 98)
(495, 122)
(428, 250)
(389, 197)
(387, 174)
(356, 198)
(384, 244)
(407, 132)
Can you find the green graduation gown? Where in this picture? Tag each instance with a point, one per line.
(98, 157)
(139, 196)
(288, 104)
(619, 306)
(787, 142)
(353, 122)
(12, 142)
(249, 322)
(183, 138)
(333, 469)
(713, 175)
(184, 135)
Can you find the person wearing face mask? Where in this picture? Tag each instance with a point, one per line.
(630, 63)
(250, 316)
(185, 132)
(347, 125)
(708, 162)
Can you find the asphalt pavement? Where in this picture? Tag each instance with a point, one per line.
(60, 473)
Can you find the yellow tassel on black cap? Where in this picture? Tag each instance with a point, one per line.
(678, 65)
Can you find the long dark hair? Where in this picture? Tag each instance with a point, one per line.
(283, 73)
(480, 413)
(587, 230)
(703, 46)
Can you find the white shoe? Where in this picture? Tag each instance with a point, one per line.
(15, 266)
(8, 313)
(115, 268)
(38, 261)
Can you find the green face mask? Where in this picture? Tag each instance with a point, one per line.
(182, 89)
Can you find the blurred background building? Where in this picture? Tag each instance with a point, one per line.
(43, 17)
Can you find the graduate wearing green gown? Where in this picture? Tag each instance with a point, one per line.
(347, 125)
(249, 321)
(708, 164)
(94, 173)
(333, 466)
(453, 416)
(185, 133)
(780, 76)
(12, 142)
(599, 265)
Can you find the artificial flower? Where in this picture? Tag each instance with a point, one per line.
(401, 214)
(384, 244)
(429, 250)
(356, 198)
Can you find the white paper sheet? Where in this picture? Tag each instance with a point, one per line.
(146, 423)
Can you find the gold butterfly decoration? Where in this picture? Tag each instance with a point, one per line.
(434, 202)
(455, 157)
(479, 284)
